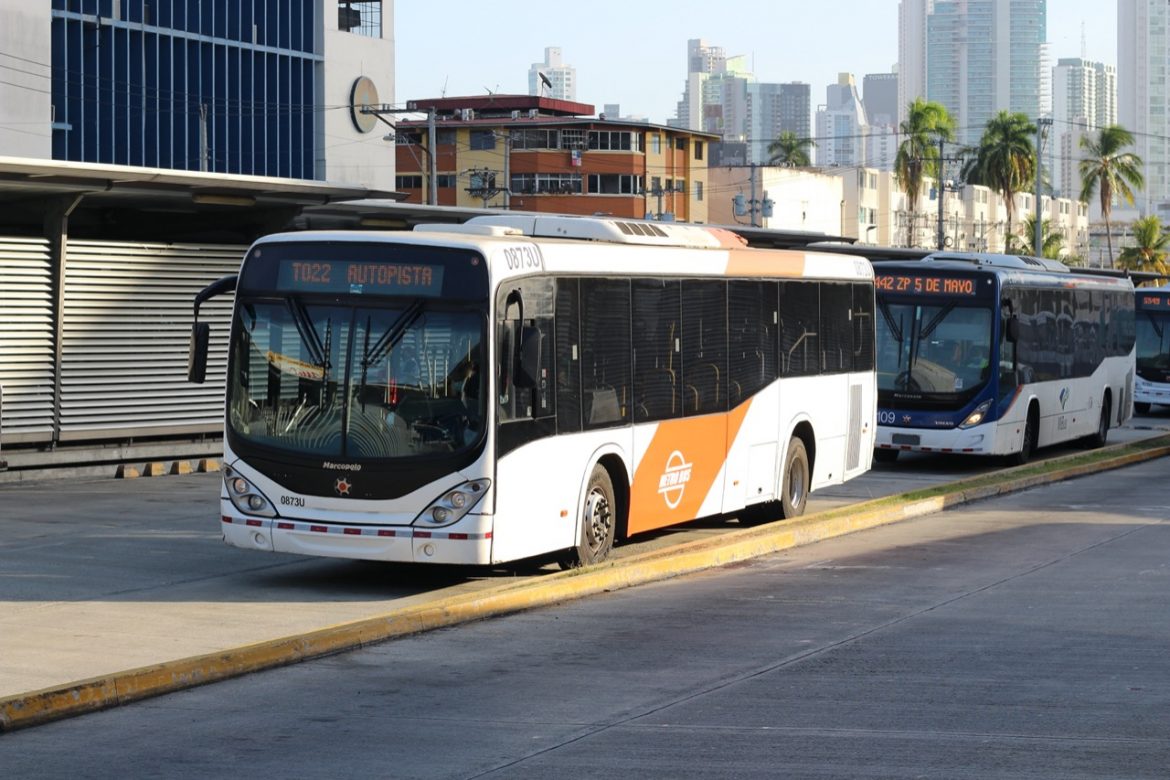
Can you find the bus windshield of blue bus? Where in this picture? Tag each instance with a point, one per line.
(1153, 336)
(938, 349)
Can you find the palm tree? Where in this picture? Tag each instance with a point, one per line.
(1150, 249)
(790, 151)
(1005, 158)
(1110, 170)
(926, 123)
(1051, 245)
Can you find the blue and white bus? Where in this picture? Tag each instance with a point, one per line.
(1153, 348)
(998, 355)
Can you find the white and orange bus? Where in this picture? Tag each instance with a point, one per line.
(523, 386)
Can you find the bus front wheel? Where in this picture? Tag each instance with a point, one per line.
(1031, 433)
(885, 456)
(1141, 407)
(598, 522)
(794, 490)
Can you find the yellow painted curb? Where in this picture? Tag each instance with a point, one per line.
(37, 707)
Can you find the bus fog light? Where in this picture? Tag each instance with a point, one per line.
(976, 416)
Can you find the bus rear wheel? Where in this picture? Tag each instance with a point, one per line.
(598, 523)
(795, 485)
(1096, 440)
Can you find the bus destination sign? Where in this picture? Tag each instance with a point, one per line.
(371, 278)
(923, 284)
(1153, 301)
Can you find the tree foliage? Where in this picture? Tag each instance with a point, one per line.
(1005, 158)
(926, 123)
(1150, 250)
(1110, 171)
(790, 150)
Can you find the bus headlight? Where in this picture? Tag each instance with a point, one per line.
(454, 504)
(976, 416)
(245, 497)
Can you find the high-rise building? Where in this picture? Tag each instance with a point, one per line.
(976, 57)
(1084, 99)
(879, 92)
(842, 126)
(224, 86)
(1142, 94)
(912, 15)
(702, 62)
(771, 110)
(559, 80)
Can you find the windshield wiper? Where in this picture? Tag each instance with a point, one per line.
(935, 321)
(392, 335)
(895, 329)
(304, 324)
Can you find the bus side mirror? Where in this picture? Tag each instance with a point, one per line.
(528, 365)
(197, 354)
(1013, 328)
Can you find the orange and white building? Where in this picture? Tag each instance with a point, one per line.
(538, 154)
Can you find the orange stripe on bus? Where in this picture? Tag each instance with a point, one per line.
(680, 467)
(756, 262)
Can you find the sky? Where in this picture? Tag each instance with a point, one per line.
(634, 53)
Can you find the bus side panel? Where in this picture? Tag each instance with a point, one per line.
(824, 401)
(681, 469)
(538, 491)
(753, 458)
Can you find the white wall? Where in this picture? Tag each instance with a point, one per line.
(25, 103)
(803, 200)
(351, 156)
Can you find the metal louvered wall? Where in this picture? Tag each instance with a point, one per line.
(26, 340)
(127, 321)
(123, 341)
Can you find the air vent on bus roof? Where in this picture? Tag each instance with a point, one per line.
(604, 229)
(1000, 261)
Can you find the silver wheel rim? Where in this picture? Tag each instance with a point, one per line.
(795, 483)
(598, 519)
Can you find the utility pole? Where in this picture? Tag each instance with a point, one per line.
(942, 188)
(432, 167)
(1038, 233)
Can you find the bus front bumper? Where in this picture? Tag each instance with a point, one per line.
(467, 542)
(979, 440)
(1150, 393)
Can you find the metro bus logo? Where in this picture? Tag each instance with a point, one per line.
(674, 479)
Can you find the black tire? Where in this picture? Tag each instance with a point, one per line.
(1031, 432)
(1141, 407)
(794, 485)
(598, 518)
(1097, 440)
(885, 456)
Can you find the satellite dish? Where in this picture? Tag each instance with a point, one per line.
(545, 79)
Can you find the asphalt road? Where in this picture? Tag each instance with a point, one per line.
(1023, 636)
(101, 576)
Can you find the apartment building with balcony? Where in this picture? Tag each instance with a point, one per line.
(532, 153)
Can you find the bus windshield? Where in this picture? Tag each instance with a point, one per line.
(938, 351)
(364, 381)
(1153, 345)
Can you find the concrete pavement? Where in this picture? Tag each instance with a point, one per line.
(114, 591)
